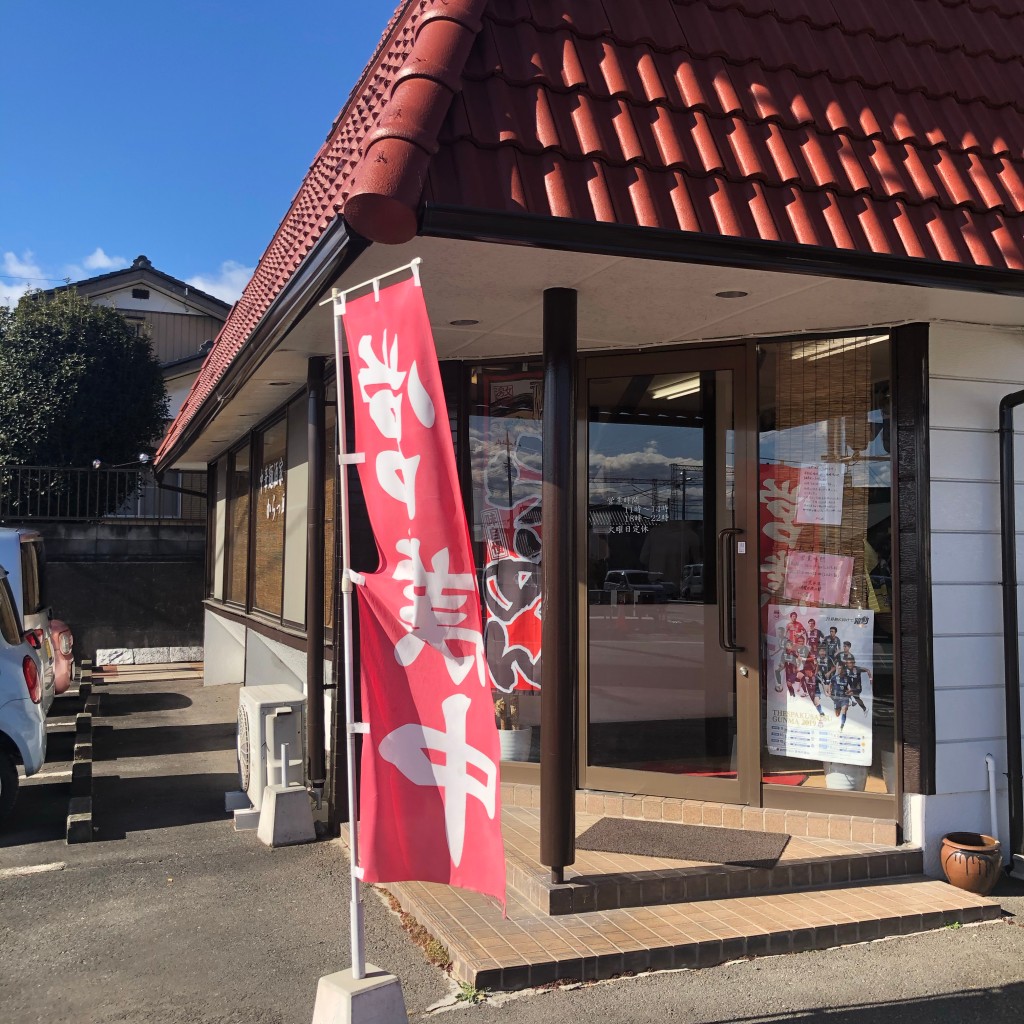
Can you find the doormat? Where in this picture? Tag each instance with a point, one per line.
(671, 841)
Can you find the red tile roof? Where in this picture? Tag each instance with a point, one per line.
(871, 125)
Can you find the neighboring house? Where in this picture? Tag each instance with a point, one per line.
(787, 248)
(129, 581)
(180, 320)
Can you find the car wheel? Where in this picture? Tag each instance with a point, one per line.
(8, 784)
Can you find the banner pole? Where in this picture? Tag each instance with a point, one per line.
(344, 460)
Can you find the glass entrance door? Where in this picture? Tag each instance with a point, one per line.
(669, 694)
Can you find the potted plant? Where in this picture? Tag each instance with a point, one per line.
(514, 738)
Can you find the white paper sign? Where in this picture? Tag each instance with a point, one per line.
(820, 499)
(820, 683)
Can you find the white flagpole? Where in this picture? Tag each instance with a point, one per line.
(352, 727)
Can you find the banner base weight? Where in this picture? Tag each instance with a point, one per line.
(375, 999)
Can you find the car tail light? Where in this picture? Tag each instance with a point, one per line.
(33, 639)
(28, 666)
(66, 642)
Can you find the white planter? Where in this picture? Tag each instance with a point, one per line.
(515, 743)
(850, 777)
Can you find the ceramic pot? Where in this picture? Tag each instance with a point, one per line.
(971, 861)
(515, 743)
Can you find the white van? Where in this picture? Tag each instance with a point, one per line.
(22, 555)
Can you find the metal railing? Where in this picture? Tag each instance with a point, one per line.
(89, 495)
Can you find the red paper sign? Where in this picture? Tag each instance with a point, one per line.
(429, 796)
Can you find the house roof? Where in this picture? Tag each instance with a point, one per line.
(866, 126)
(143, 271)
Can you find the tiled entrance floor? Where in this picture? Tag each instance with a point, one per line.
(697, 915)
(604, 881)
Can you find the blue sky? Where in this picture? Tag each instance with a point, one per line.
(181, 130)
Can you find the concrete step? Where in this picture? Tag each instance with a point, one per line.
(604, 881)
(806, 865)
(527, 948)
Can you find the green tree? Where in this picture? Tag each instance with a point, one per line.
(76, 384)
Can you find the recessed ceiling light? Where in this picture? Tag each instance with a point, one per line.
(731, 295)
(463, 323)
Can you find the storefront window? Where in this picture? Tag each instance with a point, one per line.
(237, 533)
(269, 519)
(825, 524)
(505, 459)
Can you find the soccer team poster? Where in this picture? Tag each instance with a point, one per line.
(820, 683)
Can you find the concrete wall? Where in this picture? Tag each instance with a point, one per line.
(971, 369)
(124, 586)
(123, 542)
(128, 604)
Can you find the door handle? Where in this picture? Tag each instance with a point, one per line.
(727, 588)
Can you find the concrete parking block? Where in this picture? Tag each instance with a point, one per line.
(79, 823)
(81, 779)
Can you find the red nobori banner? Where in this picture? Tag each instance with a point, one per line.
(429, 796)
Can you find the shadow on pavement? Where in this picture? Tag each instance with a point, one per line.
(40, 814)
(985, 1004)
(165, 739)
(128, 702)
(60, 746)
(141, 803)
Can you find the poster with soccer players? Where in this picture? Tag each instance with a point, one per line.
(819, 683)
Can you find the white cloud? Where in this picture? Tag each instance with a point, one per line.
(227, 283)
(14, 270)
(19, 274)
(99, 260)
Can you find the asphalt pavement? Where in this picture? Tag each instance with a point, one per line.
(169, 916)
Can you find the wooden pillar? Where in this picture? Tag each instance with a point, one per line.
(559, 635)
(315, 445)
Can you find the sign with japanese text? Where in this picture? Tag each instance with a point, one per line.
(821, 494)
(779, 490)
(511, 449)
(429, 793)
(813, 578)
(820, 683)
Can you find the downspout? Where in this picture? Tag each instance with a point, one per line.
(1011, 644)
(315, 444)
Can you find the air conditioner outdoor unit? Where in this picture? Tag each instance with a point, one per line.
(269, 716)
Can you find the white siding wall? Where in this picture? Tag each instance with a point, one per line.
(971, 369)
(223, 650)
(158, 301)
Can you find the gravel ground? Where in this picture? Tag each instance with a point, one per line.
(170, 917)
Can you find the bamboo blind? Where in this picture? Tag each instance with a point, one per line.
(824, 396)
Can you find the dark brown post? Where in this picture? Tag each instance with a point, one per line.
(559, 626)
(315, 444)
